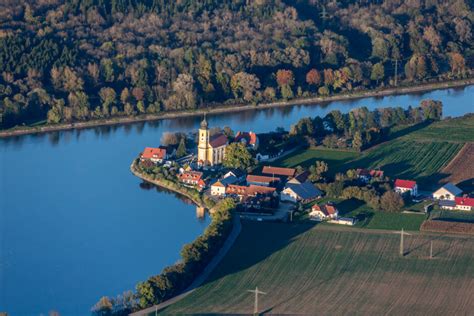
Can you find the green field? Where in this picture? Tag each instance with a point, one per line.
(417, 152)
(327, 270)
(408, 159)
(335, 159)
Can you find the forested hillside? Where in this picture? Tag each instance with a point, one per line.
(71, 60)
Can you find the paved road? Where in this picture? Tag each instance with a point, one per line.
(203, 276)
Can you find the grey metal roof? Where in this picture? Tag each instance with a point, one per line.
(304, 190)
(454, 190)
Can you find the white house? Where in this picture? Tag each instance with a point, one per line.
(447, 192)
(464, 203)
(304, 192)
(218, 188)
(154, 154)
(343, 221)
(403, 186)
(322, 212)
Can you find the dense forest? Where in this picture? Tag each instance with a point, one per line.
(73, 60)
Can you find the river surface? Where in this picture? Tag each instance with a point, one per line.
(75, 224)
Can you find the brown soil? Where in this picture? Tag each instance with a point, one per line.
(461, 168)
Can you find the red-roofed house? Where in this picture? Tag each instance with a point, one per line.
(403, 186)
(464, 203)
(261, 180)
(250, 139)
(365, 174)
(154, 154)
(276, 171)
(246, 191)
(325, 211)
(193, 178)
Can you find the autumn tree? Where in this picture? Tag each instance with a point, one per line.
(285, 80)
(458, 64)
(378, 72)
(391, 201)
(245, 85)
(313, 78)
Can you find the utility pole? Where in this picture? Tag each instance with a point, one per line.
(431, 250)
(255, 307)
(401, 243)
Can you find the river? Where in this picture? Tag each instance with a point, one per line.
(76, 225)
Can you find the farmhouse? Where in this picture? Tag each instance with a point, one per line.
(296, 192)
(322, 212)
(218, 188)
(249, 191)
(261, 180)
(250, 139)
(211, 150)
(464, 203)
(192, 178)
(153, 154)
(447, 192)
(366, 174)
(277, 171)
(403, 186)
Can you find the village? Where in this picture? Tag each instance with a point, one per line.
(266, 192)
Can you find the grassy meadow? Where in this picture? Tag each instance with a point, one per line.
(322, 270)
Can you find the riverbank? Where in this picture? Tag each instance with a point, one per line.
(200, 202)
(237, 108)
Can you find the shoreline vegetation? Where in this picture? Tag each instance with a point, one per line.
(24, 130)
(198, 258)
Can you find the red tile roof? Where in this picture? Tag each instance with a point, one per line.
(372, 173)
(250, 137)
(287, 172)
(218, 140)
(155, 153)
(326, 209)
(406, 184)
(194, 176)
(261, 179)
(466, 201)
(250, 190)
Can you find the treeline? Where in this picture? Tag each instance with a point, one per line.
(175, 278)
(76, 60)
(361, 128)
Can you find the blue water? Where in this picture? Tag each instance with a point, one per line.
(75, 224)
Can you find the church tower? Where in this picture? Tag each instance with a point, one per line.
(203, 144)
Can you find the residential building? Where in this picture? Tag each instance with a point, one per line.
(218, 188)
(192, 178)
(239, 174)
(464, 203)
(251, 190)
(250, 139)
(404, 186)
(279, 172)
(300, 192)
(323, 212)
(343, 221)
(300, 178)
(366, 175)
(447, 192)
(153, 154)
(211, 150)
(261, 180)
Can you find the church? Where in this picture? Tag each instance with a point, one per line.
(211, 149)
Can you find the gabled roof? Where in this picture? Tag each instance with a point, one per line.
(304, 190)
(300, 178)
(218, 140)
(236, 172)
(261, 179)
(156, 153)
(191, 175)
(287, 172)
(326, 209)
(250, 137)
(372, 173)
(466, 201)
(406, 184)
(451, 188)
(218, 184)
(258, 189)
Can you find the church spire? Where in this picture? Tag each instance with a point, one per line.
(204, 122)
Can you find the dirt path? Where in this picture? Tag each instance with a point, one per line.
(238, 108)
(236, 228)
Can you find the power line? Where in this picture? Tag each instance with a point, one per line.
(256, 291)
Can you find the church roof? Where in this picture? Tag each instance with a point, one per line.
(218, 140)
